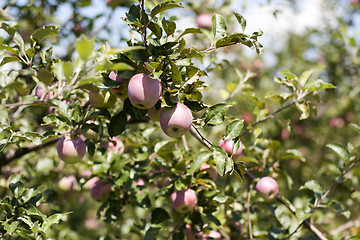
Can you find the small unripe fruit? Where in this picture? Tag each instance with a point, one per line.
(71, 150)
(143, 91)
(212, 235)
(204, 20)
(227, 145)
(118, 147)
(100, 190)
(154, 114)
(184, 200)
(101, 99)
(120, 92)
(67, 183)
(176, 121)
(268, 187)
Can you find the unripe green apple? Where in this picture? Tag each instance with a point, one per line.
(120, 92)
(184, 200)
(100, 190)
(267, 186)
(71, 150)
(227, 145)
(101, 99)
(143, 91)
(154, 114)
(176, 121)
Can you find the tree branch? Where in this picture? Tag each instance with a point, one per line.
(13, 155)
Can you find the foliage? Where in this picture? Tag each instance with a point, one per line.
(288, 123)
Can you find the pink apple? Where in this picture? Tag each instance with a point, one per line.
(100, 190)
(176, 121)
(71, 150)
(143, 91)
(67, 183)
(203, 20)
(212, 235)
(268, 187)
(101, 99)
(114, 145)
(120, 92)
(184, 200)
(89, 183)
(154, 114)
(213, 173)
(227, 145)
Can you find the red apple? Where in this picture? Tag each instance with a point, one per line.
(227, 145)
(67, 183)
(210, 170)
(204, 20)
(143, 91)
(176, 121)
(120, 92)
(71, 150)
(117, 148)
(100, 190)
(101, 99)
(184, 200)
(268, 187)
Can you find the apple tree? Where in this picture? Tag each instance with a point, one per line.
(174, 131)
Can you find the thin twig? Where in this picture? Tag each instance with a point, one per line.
(11, 156)
(185, 143)
(336, 182)
(248, 212)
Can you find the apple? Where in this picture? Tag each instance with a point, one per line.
(67, 183)
(100, 190)
(117, 148)
(71, 150)
(154, 114)
(176, 121)
(204, 20)
(143, 91)
(120, 92)
(184, 200)
(267, 186)
(210, 170)
(227, 145)
(212, 235)
(101, 99)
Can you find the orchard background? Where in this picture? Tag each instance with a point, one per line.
(283, 100)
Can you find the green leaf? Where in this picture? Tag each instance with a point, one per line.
(200, 159)
(8, 59)
(216, 114)
(53, 219)
(340, 150)
(4, 16)
(337, 206)
(313, 186)
(233, 39)
(223, 199)
(355, 127)
(304, 108)
(14, 35)
(233, 129)
(219, 26)
(44, 32)
(165, 6)
(305, 77)
(224, 164)
(10, 228)
(357, 237)
(241, 20)
(175, 73)
(159, 215)
(84, 47)
(151, 233)
(156, 29)
(168, 26)
(117, 124)
(188, 31)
